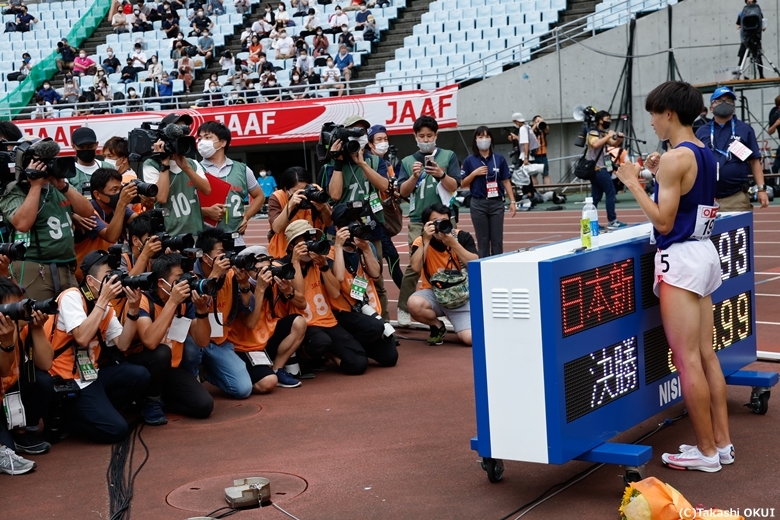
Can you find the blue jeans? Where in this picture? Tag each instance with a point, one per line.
(226, 370)
(191, 357)
(602, 185)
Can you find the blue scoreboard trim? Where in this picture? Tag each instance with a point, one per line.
(569, 440)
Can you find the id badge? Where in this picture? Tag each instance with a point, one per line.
(375, 203)
(608, 163)
(359, 288)
(260, 358)
(216, 328)
(86, 368)
(412, 202)
(741, 151)
(14, 410)
(179, 329)
(492, 189)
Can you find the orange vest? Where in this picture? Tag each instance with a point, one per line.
(345, 301)
(64, 364)
(435, 262)
(317, 312)
(277, 245)
(251, 340)
(177, 348)
(224, 302)
(6, 382)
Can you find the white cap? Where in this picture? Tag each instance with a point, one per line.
(588, 200)
(517, 116)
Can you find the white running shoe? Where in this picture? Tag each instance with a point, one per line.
(691, 459)
(12, 463)
(404, 318)
(726, 454)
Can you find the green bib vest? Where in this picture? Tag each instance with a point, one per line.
(183, 203)
(234, 205)
(425, 193)
(357, 186)
(78, 181)
(51, 237)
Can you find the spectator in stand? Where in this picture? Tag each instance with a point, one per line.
(206, 46)
(320, 44)
(310, 23)
(138, 21)
(215, 7)
(255, 52)
(330, 77)
(268, 14)
(84, 65)
(14, 7)
(70, 93)
(111, 63)
(271, 92)
(67, 55)
(171, 26)
(134, 102)
(129, 73)
(178, 50)
(213, 96)
(185, 72)
(165, 90)
(242, 6)
(43, 109)
(105, 88)
(258, 27)
(236, 98)
(24, 69)
(120, 23)
(344, 63)
(139, 57)
(346, 38)
(24, 20)
(96, 77)
(301, 7)
(370, 30)
(48, 94)
(151, 13)
(362, 17)
(304, 66)
(298, 87)
(336, 20)
(165, 7)
(282, 15)
(200, 23)
(214, 77)
(226, 61)
(284, 46)
(155, 68)
(246, 36)
(354, 5)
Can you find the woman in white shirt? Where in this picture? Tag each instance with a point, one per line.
(155, 69)
(282, 14)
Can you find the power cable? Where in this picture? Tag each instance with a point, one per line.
(120, 475)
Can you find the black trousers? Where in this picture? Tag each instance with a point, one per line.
(368, 331)
(94, 413)
(36, 398)
(158, 363)
(336, 341)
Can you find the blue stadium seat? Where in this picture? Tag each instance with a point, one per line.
(439, 61)
(441, 16)
(441, 39)
(451, 26)
(506, 32)
(481, 45)
(498, 10)
(459, 36)
(426, 40)
(513, 9)
(403, 53)
(418, 30)
(465, 47)
(489, 34)
(448, 49)
(423, 63)
(483, 22)
(496, 44)
(417, 52)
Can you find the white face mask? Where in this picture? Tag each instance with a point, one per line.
(483, 144)
(206, 148)
(363, 8)
(110, 54)
(426, 147)
(363, 140)
(263, 173)
(381, 148)
(271, 83)
(213, 89)
(296, 78)
(82, 55)
(112, 162)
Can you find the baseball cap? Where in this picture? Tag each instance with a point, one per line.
(301, 227)
(91, 259)
(177, 118)
(258, 251)
(517, 116)
(376, 129)
(351, 120)
(83, 135)
(722, 91)
(339, 215)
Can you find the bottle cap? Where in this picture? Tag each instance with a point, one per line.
(588, 200)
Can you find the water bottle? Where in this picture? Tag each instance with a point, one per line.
(585, 234)
(593, 217)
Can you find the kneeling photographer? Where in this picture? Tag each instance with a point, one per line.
(296, 199)
(267, 339)
(441, 254)
(356, 266)
(171, 313)
(37, 207)
(26, 387)
(86, 335)
(144, 243)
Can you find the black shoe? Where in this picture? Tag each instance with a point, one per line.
(31, 443)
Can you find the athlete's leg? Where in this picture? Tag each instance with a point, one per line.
(714, 375)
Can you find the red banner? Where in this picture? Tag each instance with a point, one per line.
(271, 123)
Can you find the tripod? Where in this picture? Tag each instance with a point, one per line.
(755, 54)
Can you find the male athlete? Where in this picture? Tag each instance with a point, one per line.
(687, 268)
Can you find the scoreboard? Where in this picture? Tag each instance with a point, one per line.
(569, 350)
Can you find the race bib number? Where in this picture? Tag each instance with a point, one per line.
(358, 289)
(179, 329)
(260, 358)
(741, 151)
(705, 221)
(492, 189)
(375, 203)
(14, 410)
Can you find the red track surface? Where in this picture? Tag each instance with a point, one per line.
(393, 444)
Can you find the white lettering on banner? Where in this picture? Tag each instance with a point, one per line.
(424, 107)
(669, 391)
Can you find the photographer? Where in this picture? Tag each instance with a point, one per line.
(39, 210)
(84, 335)
(356, 267)
(85, 144)
(144, 245)
(351, 176)
(213, 143)
(540, 130)
(289, 204)
(23, 379)
(419, 178)
(748, 22)
(167, 318)
(67, 56)
(267, 339)
(598, 140)
(224, 369)
(314, 287)
(441, 247)
(179, 179)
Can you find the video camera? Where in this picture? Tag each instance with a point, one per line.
(751, 25)
(141, 141)
(22, 311)
(144, 281)
(587, 115)
(330, 133)
(25, 152)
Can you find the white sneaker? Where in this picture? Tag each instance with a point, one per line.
(726, 454)
(692, 459)
(12, 463)
(404, 318)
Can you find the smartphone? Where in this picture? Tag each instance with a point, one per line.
(429, 161)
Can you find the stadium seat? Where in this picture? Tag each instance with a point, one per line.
(451, 26)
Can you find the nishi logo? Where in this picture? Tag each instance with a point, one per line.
(669, 391)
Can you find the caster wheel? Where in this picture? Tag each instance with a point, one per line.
(759, 401)
(633, 474)
(494, 469)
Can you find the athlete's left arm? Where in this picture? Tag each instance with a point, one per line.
(671, 170)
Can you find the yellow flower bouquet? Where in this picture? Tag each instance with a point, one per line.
(651, 499)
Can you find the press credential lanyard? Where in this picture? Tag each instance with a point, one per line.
(492, 186)
(727, 155)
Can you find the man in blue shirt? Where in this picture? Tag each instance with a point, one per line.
(49, 94)
(362, 16)
(24, 20)
(267, 182)
(734, 145)
(344, 62)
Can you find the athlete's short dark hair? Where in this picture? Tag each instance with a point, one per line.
(678, 97)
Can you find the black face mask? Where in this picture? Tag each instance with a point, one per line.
(438, 245)
(86, 156)
(113, 200)
(605, 125)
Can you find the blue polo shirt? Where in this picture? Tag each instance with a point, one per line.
(498, 170)
(267, 184)
(733, 172)
(343, 63)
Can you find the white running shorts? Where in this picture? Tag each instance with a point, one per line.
(693, 265)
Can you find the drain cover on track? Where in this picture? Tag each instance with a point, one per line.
(208, 494)
(225, 410)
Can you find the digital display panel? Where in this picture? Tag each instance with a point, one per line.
(733, 323)
(596, 296)
(599, 378)
(734, 252)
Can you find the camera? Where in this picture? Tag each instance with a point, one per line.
(44, 150)
(247, 261)
(176, 243)
(283, 270)
(358, 230)
(313, 194)
(320, 247)
(542, 126)
(141, 141)
(330, 133)
(14, 251)
(188, 257)
(204, 287)
(22, 311)
(145, 189)
(364, 308)
(144, 281)
(443, 226)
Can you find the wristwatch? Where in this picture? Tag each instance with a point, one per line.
(66, 188)
(165, 167)
(132, 317)
(200, 316)
(7, 349)
(761, 187)
(245, 290)
(324, 268)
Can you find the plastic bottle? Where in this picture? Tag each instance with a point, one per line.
(593, 216)
(585, 233)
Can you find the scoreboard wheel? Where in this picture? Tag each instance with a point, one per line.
(759, 401)
(494, 469)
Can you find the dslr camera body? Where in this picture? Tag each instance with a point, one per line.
(174, 243)
(144, 281)
(330, 133)
(313, 194)
(141, 141)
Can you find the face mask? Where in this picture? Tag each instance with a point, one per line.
(82, 55)
(27, 60)
(271, 83)
(110, 54)
(283, 35)
(363, 8)
(363, 140)
(344, 29)
(263, 173)
(483, 144)
(605, 125)
(180, 37)
(131, 92)
(47, 87)
(70, 85)
(426, 147)
(113, 200)
(338, 11)
(87, 156)
(724, 110)
(330, 64)
(213, 89)
(296, 78)
(112, 162)
(137, 13)
(169, 287)
(381, 148)
(200, 15)
(319, 33)
(206, 148)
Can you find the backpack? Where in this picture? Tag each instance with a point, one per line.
(10, 27)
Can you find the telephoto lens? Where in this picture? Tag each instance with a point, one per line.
(204, 287)
(46, 306)
(19, 311)
(352, 146)
(283, 271)
(361, 231)
(320, 247)
(143, 281)
(145, 189)
(14, 251)
(443, 226)
(246, 261)
(177, 243)
(314, 194)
